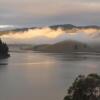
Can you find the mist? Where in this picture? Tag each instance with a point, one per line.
(47, 35)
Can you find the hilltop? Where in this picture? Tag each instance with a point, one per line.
(54, 27)
(63, 47)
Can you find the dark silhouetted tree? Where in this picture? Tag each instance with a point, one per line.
(76, 47)
(85, 88)
(3, 49)
(85, 46)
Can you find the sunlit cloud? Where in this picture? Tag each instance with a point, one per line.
(32, 33)
(47, 35)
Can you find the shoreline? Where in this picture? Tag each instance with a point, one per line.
(4, 56)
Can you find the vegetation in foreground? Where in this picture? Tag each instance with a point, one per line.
(4, 50)
(85, 88)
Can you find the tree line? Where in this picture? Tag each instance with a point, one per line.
(3, 49)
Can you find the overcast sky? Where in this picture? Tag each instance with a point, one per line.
(49, 12)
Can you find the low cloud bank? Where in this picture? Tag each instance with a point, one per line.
(49, 35)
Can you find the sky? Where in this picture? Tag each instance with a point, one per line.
(30, 13)
(49, 12)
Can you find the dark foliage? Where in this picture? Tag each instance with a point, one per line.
(3, 50)
(76, 47)
(85, 88)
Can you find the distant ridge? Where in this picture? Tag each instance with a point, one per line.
(54, 27)
(64, 26)
(70, 26)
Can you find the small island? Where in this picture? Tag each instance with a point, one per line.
(4, 50)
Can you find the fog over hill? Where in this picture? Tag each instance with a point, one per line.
(51, 34)
(63, 47)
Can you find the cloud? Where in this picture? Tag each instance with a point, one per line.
(48, 35)
(35, 12)
(31, 33)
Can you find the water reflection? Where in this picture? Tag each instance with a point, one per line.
(3, 64)
(79, 56)
(43, 76)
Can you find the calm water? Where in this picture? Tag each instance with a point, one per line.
(38, 76)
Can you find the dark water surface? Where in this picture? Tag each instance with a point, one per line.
(41, 76)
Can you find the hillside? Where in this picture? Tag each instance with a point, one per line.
(63, 47)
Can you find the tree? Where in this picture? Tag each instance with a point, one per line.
(76, 47)
(3, 50)
(85, 88)
(85, 46)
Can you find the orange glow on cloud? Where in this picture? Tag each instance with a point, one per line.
(32, 33)
(50, 34)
